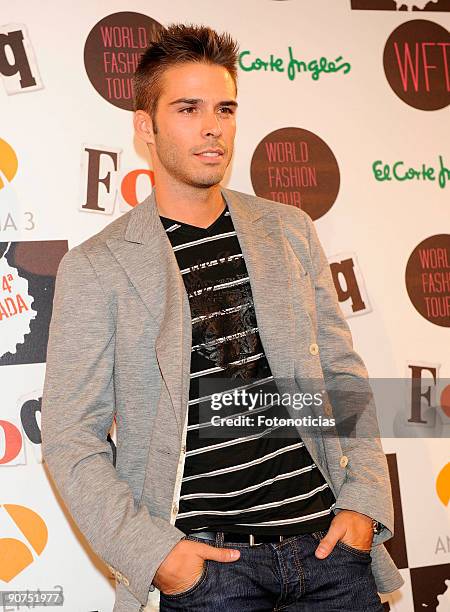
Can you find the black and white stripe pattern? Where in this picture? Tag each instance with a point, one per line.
(256, 483)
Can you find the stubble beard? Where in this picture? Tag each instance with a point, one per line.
(174, 165)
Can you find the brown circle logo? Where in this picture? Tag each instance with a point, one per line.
(416, 64)
(295, 166)
(427, 279)
(112, 52)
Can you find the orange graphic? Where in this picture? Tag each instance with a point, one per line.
(13, 441)
(8, 163)
(443, 484)
(15, 556)
(445, 400)
(128, 187)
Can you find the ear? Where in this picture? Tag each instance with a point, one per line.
(143, 126)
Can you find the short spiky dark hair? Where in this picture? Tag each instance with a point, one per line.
(179, 44)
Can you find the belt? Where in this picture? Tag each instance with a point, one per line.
(251, 539)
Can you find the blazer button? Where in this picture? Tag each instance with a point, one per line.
(313, 348)
(343, 461)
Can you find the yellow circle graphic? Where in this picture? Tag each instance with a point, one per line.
(8, 163)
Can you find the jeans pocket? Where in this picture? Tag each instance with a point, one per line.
(358, 552)
(189, 591)
(318, 535)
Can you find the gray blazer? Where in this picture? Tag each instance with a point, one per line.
(120, 343)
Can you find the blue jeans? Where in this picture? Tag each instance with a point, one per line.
(282, 576)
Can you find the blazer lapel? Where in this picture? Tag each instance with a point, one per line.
(146, 254)
(261, 239)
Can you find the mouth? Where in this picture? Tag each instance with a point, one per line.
(210, 155)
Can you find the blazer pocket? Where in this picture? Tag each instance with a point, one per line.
(303, 289)
(296, 261)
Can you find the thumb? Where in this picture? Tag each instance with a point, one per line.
(220, 554)
(327, 543)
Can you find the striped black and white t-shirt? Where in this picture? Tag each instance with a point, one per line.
(256, 483)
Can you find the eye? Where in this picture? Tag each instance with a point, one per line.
(187, 110)
(228, 110)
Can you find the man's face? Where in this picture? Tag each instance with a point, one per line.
(196, 124)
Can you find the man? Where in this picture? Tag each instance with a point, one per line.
(200, 284)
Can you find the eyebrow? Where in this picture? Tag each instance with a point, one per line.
(200, 101)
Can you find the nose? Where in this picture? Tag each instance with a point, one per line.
(211, 125)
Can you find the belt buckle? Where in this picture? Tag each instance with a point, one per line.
(252, 539)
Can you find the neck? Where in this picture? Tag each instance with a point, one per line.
(188, 204)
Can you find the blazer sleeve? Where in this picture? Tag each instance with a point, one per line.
(367, 487)
(77, 412)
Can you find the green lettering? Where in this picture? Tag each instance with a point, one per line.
(381, 175)
(396, 176)
(276, 64)
(259, 63)
(444, 173)
(241, 64)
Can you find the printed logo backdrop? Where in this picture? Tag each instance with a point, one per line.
(112, 52)
(401, 5)
(27, 275)
(428, 279)
(296, 167)
(416, 64)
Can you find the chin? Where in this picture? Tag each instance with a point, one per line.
(206, 181)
